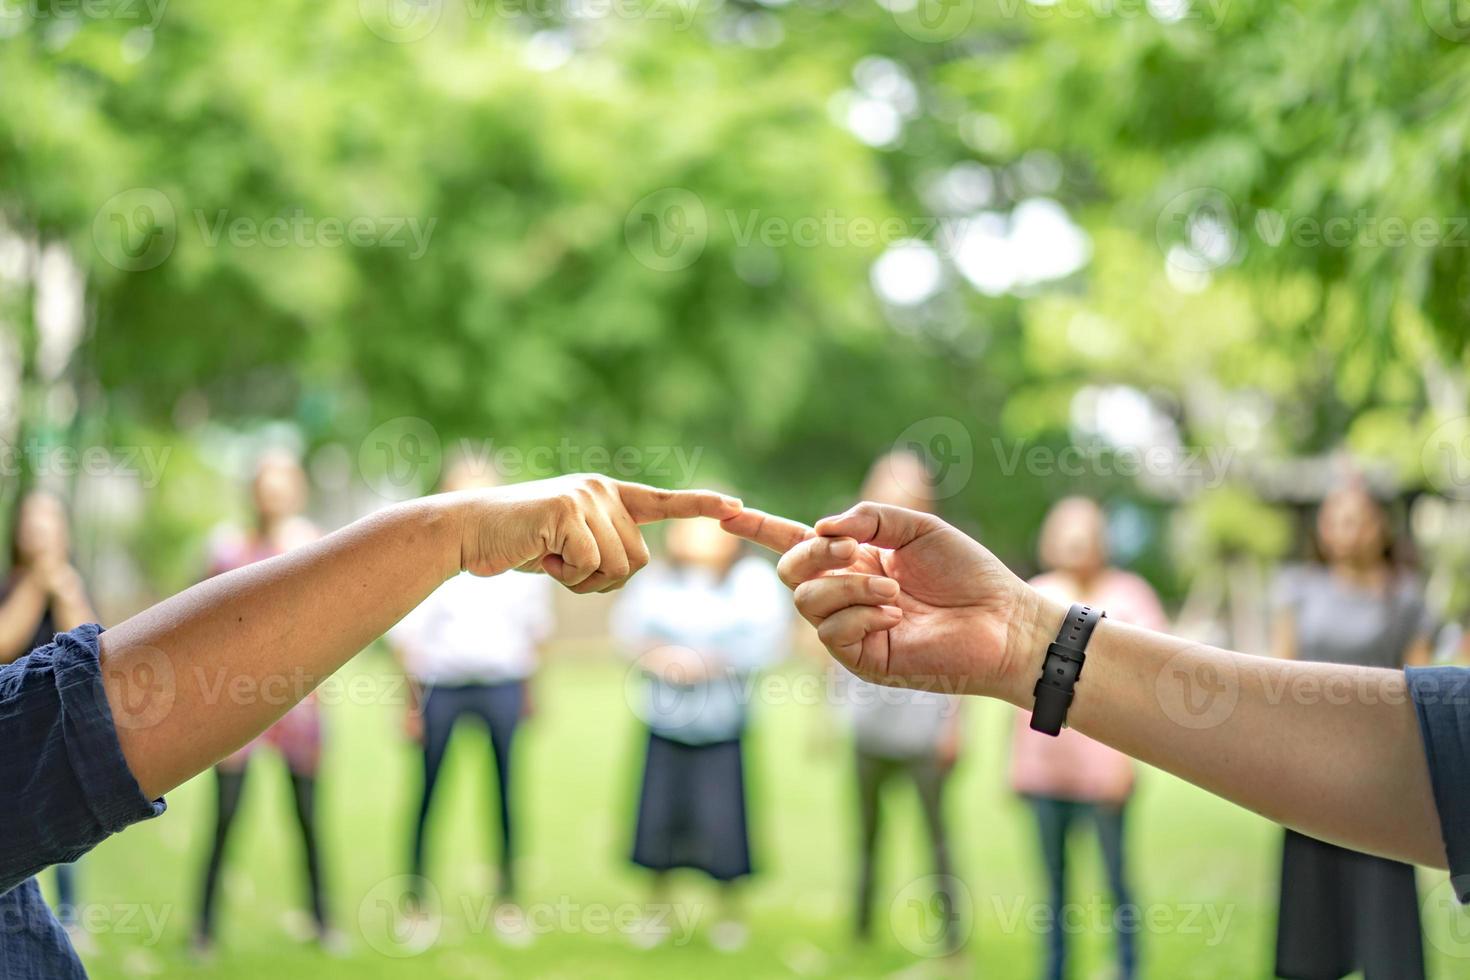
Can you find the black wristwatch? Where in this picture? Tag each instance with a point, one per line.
(1062, 667)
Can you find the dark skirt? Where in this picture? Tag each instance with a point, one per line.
(1342, 911)
(691, 810)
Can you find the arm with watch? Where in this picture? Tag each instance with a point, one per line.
(902, 598)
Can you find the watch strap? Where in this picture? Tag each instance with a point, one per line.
(1062, 668)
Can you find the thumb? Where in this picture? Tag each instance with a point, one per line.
(882, 525)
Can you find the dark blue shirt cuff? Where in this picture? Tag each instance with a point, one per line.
(1442, 700)
(64, 784)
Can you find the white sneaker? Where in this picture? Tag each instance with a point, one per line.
(648, 935)
(729, 936)
(511, 926)
(415, 932)
(333, 943)
(81, 939)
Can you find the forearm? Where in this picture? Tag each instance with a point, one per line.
(72, 611)
(19, 614)
(1333, 751)
(197, 676)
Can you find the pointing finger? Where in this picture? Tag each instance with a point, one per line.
(767, 530)
(647, 504)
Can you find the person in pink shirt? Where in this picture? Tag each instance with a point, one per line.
(1071, 776)
(279, 494)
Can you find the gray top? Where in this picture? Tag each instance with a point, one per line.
(896, 723)
(1339, 622)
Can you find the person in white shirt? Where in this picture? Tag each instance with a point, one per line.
(470, 650)
(701, 624)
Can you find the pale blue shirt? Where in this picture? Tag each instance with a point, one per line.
(738, 625)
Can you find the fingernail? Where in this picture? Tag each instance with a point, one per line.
(892, 611)
(845, 548)
(885, 587)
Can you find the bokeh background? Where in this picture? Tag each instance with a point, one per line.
(1195, 258)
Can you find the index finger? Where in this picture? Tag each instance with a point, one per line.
(647, 504)
(767, 530)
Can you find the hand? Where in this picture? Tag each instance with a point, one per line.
(676, 665)
(580, 530)
(63, 582)
(900, 597)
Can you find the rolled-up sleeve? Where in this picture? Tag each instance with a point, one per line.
(1442, 700)
(64, 784)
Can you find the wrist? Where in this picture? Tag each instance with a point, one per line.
(1031, 632)
(443, 519)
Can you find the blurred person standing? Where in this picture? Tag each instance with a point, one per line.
(900, 733)
(702, 624)
(42, 595)
(470, 651)
(279, 496)
(1342, 911)
(1071, 777)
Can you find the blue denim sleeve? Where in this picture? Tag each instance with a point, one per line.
(1442, 699)
(64, 784)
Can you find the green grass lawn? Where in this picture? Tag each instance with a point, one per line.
(1204, 871)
